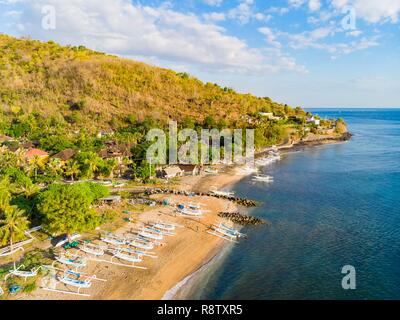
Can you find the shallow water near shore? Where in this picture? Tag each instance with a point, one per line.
(330, 206)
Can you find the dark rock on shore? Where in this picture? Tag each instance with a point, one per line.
(242, 219)
(240, 201)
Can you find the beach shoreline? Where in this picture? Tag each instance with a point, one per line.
(182, 258)
(179, 291)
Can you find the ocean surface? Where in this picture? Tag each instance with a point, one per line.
(330, 206)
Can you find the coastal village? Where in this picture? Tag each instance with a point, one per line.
(83, 213)
(154, 224)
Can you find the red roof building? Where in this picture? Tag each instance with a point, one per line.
(36, 153)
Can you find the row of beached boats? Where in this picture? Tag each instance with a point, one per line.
(128, 250)
(125, 251)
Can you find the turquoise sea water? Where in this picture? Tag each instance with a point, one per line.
(329, 206)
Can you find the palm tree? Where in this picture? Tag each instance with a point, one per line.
(92, 163)
(13, 224)
(112, 165)
(20, 158)
(72, 169)
(5, 193)
(28, 189)
(36, 164)
(55, 166)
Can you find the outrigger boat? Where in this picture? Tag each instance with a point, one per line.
(112, 239)
(194, 206)
(73, 279)
(140, 244)
(222, 193)
(162, 232)
(225, 233)
(189, 212)
(139, 253)
(147, 240)
(72, 260)
(164, 226)
(150, 235)
(231, 230)
(93, 249)
(119, 254)
(265, 178)
(23, 274)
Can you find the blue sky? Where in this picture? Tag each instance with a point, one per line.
(309, 53)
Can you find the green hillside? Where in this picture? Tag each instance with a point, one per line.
(81, 86)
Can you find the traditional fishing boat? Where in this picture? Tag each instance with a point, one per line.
(231, 230)
(150, 235)
(122, 255)
(164, 226)
(225, 233)
(72, 260)
(77, 281)
(140, 244)
(190, 212)
(23, 274)
(69, 278)
(263, 178)
(112, 239)
(222, 193)
(93, 249)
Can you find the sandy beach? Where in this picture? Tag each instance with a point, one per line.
(180, 256)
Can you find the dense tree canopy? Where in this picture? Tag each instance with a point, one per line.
(67, 208)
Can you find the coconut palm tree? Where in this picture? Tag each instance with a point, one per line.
(92, 162)
(28, 189)
(72, 169)
(35, 164)
(5, 193)
(20, 158)
(112, 165)
(13, 224)
(55, 166)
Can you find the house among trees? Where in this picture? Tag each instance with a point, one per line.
(65, 155)
(314, 121)
(111, 199)
(269, 115)
(170, 172)
(189, 169)
(114, 151)
(4, 138)
(32, 153)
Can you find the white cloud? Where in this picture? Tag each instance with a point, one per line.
(315, 40)
(214, 16)
(270, 37)
(123, 28)
(354, 33)
(314, 5)
(372, 11)
(214, 3)
(279, 10)
(319, 39)
(296, 3)
(244, 12)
